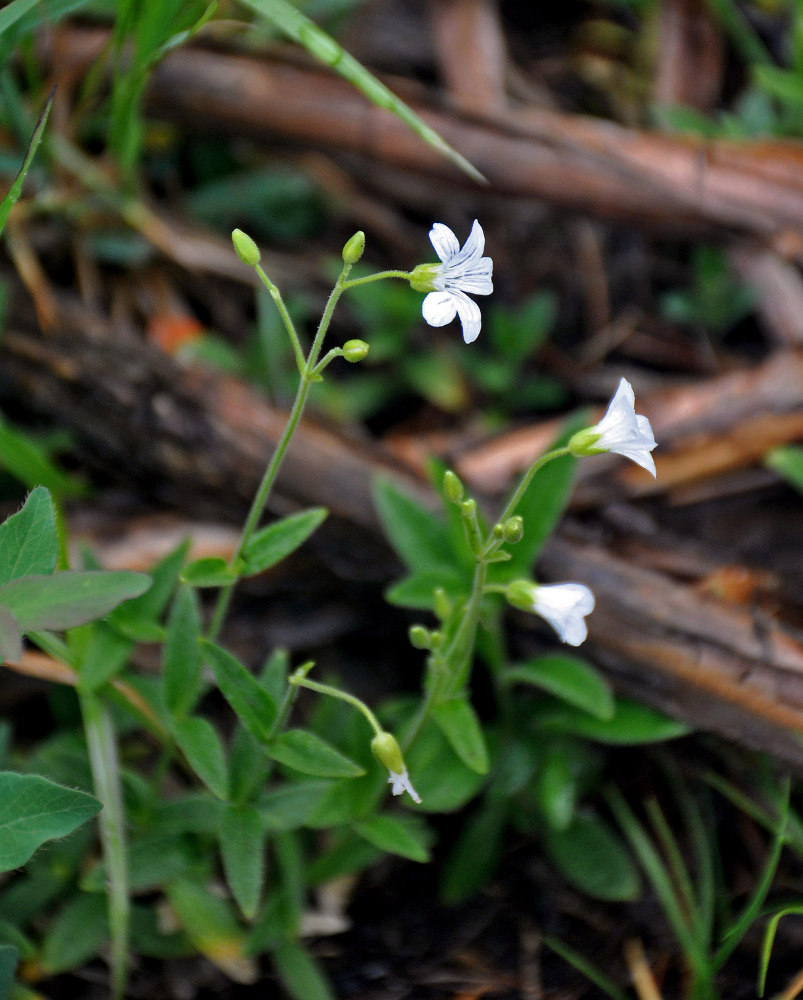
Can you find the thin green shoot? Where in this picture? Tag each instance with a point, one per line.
(588, 969)
(12, 197)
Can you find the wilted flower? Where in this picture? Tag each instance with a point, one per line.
(621, 430)
(563, 605)
(461, 270)
(388, 752)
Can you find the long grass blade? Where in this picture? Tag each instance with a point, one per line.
(15, 190)
(315, 40)
(589, 970)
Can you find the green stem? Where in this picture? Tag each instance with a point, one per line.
(300, 681)
(103, 758)
(379, 276)
(271, 472)
(527, 478)
(276, 295)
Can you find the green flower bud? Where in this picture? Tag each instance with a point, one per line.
(513, 530)
(422, 278)
(355, 350)
(497, 531)
(388, 752)
(452, 487)
(354, 248)
(468, 509)
(443, 606)
(246, 249)
(521, 594)
(420, 637)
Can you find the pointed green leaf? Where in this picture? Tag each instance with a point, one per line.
(63, 947)
(27, 460)
(104, 656)
(594, 858)
(275, 542)
(300, 974)
(395, 837)
(251, 702)
(417, 590)
(16, 188)
(199, 742)
(151, 604)
(308, 753)
(569, 678)
(419, 537)
(209, 572)
(28, 539)
(631, 723)
(33, 810)
(476, 854)
(181, 670)
(71, 598)
(291, 806)
(556, 788)
(459, 724)
(242, 848)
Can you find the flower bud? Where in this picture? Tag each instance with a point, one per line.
(452, 487)
(468, 509)
(354, 248)
(443, 606)
(388, 752)
(521, 594)
(355, 350)
(513, 530)
(246, 249)
(420, 637)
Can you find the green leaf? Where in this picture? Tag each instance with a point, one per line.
(590, 854)
(10, 638)
(27, 460)
(79, 931)
(16, 188)
(441, 779)
(569, 678)
(253, 705)
(242, 848)
(291, 806)
(459, 724)
(149, 607)
(104, 656)
(416, 590)
(275, 542)
(71, 598)
(419, 537)
(308, 753)
(476, 854)
(209, 572)
(788, 462)
(34, 810)
(199, 742)
(631, 723)
(395, 837)
(28, 539)
(182, 660)
(556, 788)
(299, 973)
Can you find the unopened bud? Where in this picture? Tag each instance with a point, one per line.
(513, 530)
(443, 606)
(246, 249)
(420, 637)
(354, 248)
(355, 350)
(452, 487)
(388, 752)
(468, 509)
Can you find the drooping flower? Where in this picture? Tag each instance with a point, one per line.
(388, 752)
(621, 430)
(461, 270)
(563, 605)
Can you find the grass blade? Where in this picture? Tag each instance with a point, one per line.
(16, 188)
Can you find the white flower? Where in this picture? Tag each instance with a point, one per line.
(400, 783)
(461, 270)
(564, 606)
(624, 431)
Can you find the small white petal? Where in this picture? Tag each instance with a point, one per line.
(400, 783)
(444, 241)
(564, 606)
(477, 280)
(625, 432)
(472, 249)
(439, 308)
(470, 316)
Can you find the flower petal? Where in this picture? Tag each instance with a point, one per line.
(469, 313)
(477, 278)
(444, 241)
(471, 250)
(400, 783)
(564, 606)
(439, 308)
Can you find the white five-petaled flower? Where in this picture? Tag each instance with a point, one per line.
(462, 269)
(564, 606)
(400, 783)
(621, 430)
